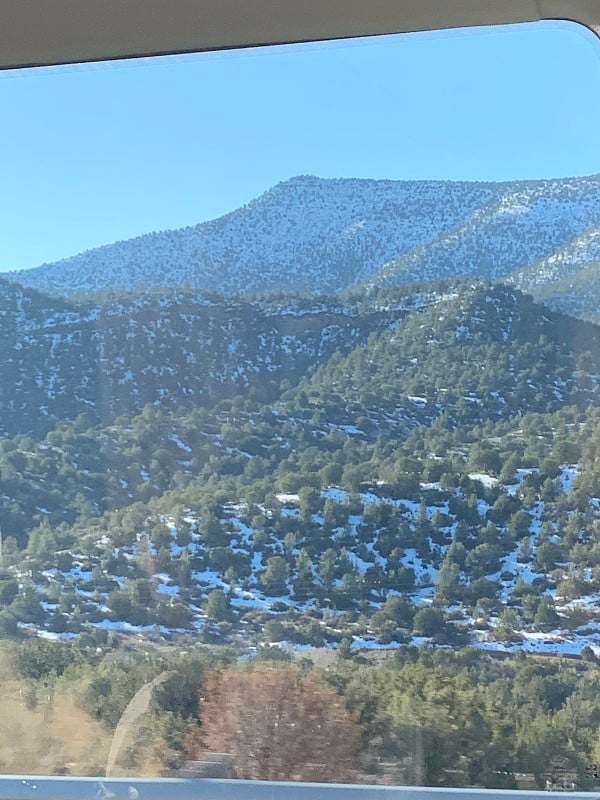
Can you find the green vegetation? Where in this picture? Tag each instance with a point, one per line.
(438, 717)
(313, 508)
(426, 473)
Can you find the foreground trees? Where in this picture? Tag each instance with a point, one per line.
(277, 723)
(421, 716)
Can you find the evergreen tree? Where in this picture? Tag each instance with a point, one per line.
(275, 576)
(217, 606)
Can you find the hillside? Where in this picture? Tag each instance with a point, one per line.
(480, 353)
(399, 482)
(439, 482)
(523, 224)
(178, 348)
(321, 236)
(572, 290)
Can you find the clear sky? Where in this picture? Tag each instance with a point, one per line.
(94, 154)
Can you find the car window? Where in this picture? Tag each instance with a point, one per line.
(300, 434)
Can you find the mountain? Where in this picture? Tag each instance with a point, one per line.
(315, 457)
(409, 465)
(318, 236)
(568, 279)
(458, 349)
(525, 227)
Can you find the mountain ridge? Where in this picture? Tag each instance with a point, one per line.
(105, 357)
(323, 236)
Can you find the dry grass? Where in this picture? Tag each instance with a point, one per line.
(47, 740)
(55, 737)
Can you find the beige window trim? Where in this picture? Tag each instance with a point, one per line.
(40, 32)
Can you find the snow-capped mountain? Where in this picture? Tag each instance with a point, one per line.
(524, 224)
(583, 250)
(325, 235)
(567, 280)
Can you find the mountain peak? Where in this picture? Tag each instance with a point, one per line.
(324, 235)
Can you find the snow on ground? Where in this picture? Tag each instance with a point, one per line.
(335, 493)
(487, 480)
(552, 643)
(568, 473)
(170, 590)
(245, 599)
(424, 573)
(585, 601)
(288, 499)
(523, 570)
(181, 445)
(250, 596)
(210, 577)
(370, 643)
(520, 475)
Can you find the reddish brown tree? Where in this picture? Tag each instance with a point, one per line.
(277, 723)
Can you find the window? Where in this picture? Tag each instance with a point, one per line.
(299, 413)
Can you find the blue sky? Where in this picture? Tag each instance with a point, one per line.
(90, 155)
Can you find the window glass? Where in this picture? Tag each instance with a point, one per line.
(299, 419)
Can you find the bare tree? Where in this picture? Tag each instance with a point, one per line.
(277, 723)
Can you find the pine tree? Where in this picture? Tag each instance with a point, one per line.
(448, 587)
(144, 556)
(275, 575)
(303, 581)
(217, 606)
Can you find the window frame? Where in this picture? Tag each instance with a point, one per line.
(69, 31)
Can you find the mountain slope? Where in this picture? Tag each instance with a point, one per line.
(400, 356)
(567, 280)
(321, 236)
(523, 225)
(176, 348)
(480, 353)
(320, 510)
